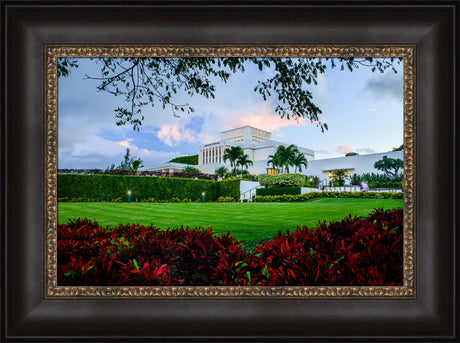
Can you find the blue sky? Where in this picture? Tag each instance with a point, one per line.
(363, 110)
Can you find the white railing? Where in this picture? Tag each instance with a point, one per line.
(249, 193)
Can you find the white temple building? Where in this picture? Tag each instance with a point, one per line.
(258, 145)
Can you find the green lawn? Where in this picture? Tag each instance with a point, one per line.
(246, 221)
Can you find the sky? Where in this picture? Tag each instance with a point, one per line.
(363, 111)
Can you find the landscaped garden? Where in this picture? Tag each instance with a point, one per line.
(245, 221)
(129, 230)
(353, 251)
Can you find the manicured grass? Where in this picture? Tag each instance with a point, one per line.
(245, 221)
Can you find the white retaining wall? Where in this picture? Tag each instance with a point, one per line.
(304, 190)
(248, 188)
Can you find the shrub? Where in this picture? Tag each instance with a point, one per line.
(281, 180)
(100, 187)
(312, 181)
(390, 184)
(226, 199)
(351, 252)
(316, 195)
(138, 255)
(191, 170)
(278, 191)
(192, 159)
(229, 188)
(377, 180)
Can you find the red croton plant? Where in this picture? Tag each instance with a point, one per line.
(352, 252)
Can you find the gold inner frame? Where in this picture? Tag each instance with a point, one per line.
(53, 291)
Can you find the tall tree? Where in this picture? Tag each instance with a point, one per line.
(390, 166)
(400, 148)
(274, 161)
(285, 155)
(154, 81)
(299, 161)
(128, 163)
(244, 161)
(232, 155)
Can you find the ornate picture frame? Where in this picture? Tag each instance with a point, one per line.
(35, 308)
(406, 291)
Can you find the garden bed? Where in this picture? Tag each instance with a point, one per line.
(351, 252)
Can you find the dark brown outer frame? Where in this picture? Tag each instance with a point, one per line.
(28, 26)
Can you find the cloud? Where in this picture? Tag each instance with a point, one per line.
(369, 150)
(344, 148)
(386, 86)
(264, 118)
(322, 152)
(126, 143)
(174, 134)
(96, 152)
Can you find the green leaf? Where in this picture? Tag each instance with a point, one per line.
(341, 258)
(70, 272)
(265, 272)
(248, 275)
(135, 264)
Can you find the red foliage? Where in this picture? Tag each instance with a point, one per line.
(365, 252)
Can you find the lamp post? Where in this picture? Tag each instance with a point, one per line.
(203, 197)
(129, 197)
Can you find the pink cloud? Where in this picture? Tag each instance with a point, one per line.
(126, 143)
(265, 119)
(172, 134)
(344, 148)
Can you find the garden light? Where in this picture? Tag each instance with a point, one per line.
(203, 197)
(129, 197)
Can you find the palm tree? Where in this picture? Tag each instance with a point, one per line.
(244, 162)
(273, 160)
(128, 163)
(299, 161)
(136, 164)
(221, 171)
(339, 176)
(232, 155)
(315, 180)
(285, 155)
(191, 170)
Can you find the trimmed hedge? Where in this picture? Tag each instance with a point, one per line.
(192, 159)
(229, 188)
(281, 180)
(74, 187)
(278, 191)
(396, 184)
(317, 195)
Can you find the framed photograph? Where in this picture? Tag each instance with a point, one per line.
(250, 179)
(242, 205)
